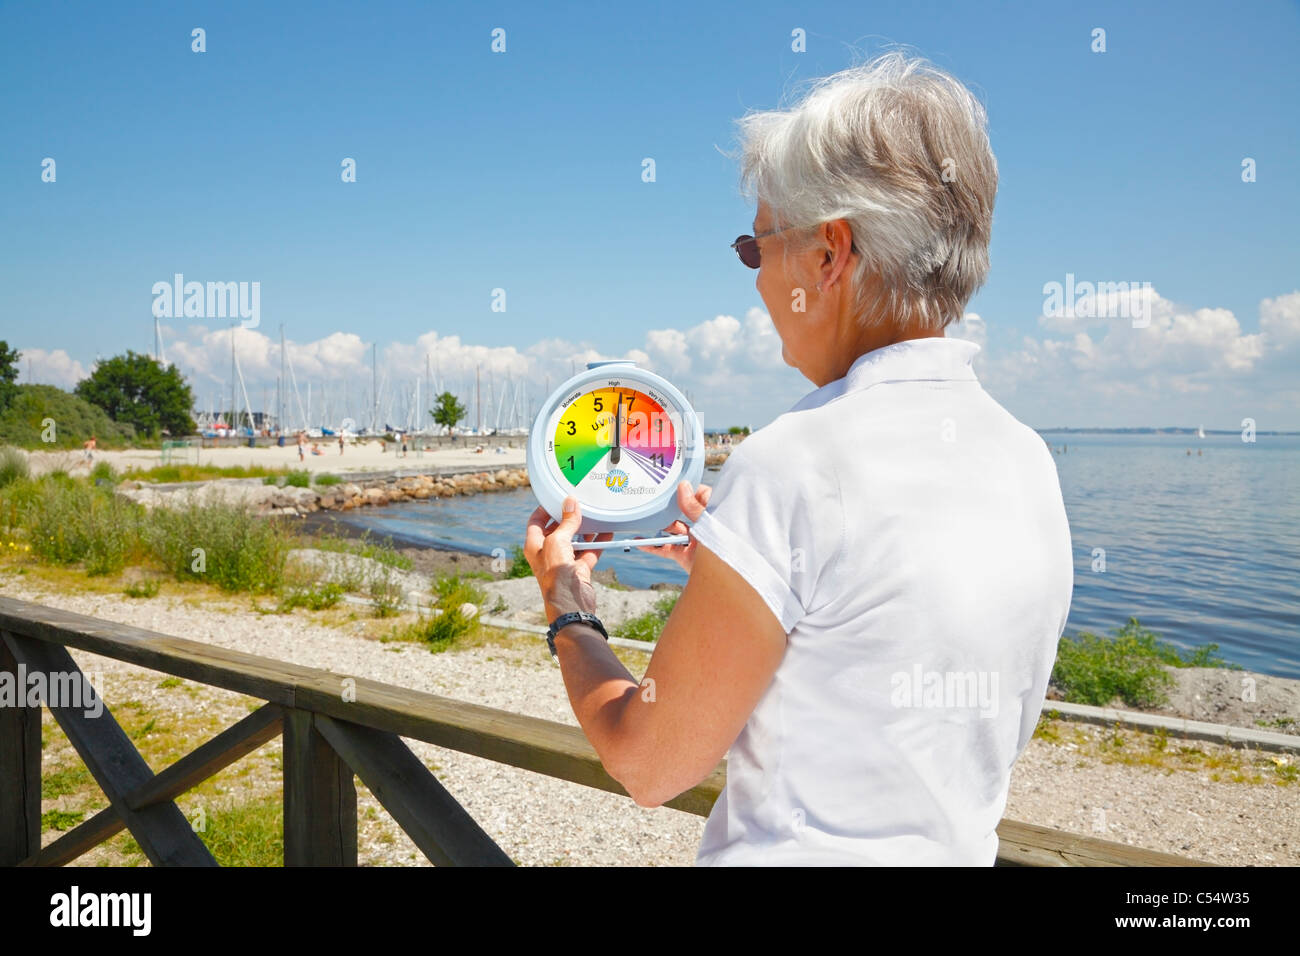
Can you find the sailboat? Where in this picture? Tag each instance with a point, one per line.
(1200, 431)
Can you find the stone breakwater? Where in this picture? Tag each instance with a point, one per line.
(345, 497)
(365, 492)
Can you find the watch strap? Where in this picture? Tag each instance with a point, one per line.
(572, 617)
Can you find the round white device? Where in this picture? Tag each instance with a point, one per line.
(619, 439)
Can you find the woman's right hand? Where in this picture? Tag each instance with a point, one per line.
(692, 505)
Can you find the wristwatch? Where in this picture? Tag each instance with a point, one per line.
(566, 619)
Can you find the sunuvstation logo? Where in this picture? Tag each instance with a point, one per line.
(212, 300)
(616, 480)
(73, 690)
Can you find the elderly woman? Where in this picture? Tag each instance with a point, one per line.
(879, 579)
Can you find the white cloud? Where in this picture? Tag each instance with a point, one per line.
(56, 367)
(1075, 371)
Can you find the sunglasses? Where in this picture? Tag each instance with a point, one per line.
(747, 246)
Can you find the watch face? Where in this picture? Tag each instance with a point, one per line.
(616, 444)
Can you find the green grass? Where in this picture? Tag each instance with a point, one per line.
(222, 544)
(519, 567)
(1131, 665)
(294, 479)
(363, 547)
(250, 833)
(168, 474)
(441, 630)
(648, 626)
(104, 472)
(70, 521)
(316, 596)
(13, 466)
(60, 819)
(146, 588)
(63, 781)
(326, 481)
(67, 521)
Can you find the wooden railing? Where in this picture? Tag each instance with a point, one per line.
(333, 727)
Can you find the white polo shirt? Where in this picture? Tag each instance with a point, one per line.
(909, 535)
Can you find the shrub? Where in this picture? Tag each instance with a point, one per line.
(447, 622)
(1131, 665)
(70, 521)
(224, 544)
(23, 423)
(315, 597)
(146, 588)
(648, 626)
(519, 567)
(13, 466)
(326, 481)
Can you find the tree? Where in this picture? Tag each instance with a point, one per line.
(8, 374)
(137, 389)
(448, 411)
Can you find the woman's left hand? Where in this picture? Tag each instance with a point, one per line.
(563, 576)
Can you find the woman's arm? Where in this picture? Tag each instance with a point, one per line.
(715, 659)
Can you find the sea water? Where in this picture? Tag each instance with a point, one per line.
(1201, 547)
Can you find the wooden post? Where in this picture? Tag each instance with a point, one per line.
(20, 769)
(320, 799)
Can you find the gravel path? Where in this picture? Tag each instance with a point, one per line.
(1078, 782)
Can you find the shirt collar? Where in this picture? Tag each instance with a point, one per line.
(933, 359)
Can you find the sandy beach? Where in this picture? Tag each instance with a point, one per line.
(357, 457)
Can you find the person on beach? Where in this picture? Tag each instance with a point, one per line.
(340, 444)
(878, 581)
(88, 447)
(302, 446)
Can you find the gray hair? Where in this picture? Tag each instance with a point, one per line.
(899, 149)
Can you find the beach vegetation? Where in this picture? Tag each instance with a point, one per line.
(519, 566)
(174, 474)
(144, 588)
(448, 619)
(375, 549)
(647, 627)
(1131, 666)
(13, 465)
(220, 543)
(46, 418)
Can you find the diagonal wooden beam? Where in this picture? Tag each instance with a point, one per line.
(85, 836)
(216, 755)
(213, 757)
(162, 831)
(431, 817)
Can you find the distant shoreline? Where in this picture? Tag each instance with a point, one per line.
(1154, 431)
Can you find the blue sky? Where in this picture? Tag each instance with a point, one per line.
(522, 171)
